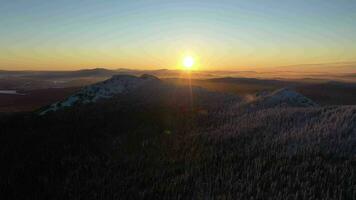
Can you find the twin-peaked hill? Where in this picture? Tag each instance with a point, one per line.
(146, 88)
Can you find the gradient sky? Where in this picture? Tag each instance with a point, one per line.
(224, 34)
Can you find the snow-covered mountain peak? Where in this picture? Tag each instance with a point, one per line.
(280, 98)
(290, 96)
(285, 97)
(118, 84)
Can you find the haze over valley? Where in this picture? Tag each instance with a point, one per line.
(31, 90)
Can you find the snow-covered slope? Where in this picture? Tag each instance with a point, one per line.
(118, 84)
(284, 97)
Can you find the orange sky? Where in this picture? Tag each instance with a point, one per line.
(227, 35)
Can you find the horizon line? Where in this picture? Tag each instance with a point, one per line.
(266, 68)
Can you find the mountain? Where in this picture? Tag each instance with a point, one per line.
(107, 89)
(97, 72)
(278, 99)
(145, 89)
(283, 97)
(123, 84)
(85, 73)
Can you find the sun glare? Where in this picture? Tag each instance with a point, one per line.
(188, 62)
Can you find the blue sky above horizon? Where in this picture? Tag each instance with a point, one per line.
(227, 34)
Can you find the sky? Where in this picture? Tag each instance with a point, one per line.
(152, 34)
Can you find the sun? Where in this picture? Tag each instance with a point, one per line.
(188, 62)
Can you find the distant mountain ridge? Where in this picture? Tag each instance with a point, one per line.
(313, 71)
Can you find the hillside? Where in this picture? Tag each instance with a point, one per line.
(157, 140)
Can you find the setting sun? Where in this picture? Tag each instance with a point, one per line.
(188, 62)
